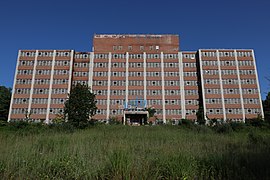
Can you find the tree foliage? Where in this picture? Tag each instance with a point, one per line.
(81, 106)
(5, 96)
(200, 115)
(266, 108)
(151, 111)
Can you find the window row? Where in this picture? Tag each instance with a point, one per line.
(26, 63)
(100, 83)
(101, 111)
(101, 56)
(135, 56)
(80, 74)
(171, 83)
(25, 72)
(116, 111)
(63, 54)
(233, 111)
(60, 81)
(191, 111)
(44, 63)
(28, 54)
(191, 65)
(171, 65)
(154, 101)
(153, 83)
(101, 73)
(245, 63)
(40, 91)
(56, 111)
(81, 65)
(251, 101)
(172, 102)
(136, 83)
(173, 74)
(100, 92)
(58, 101)
(213, 101)
(22, 91)
(82, 56)
(59, 91)
(191, 83)
(253, 111)
(118, 56)
(61, 72)
(45, 54)
(170, 56)
(187, 74)
(101, 102)
(172, 92)
(135, 65)
(80, 82)
(232, 101)
(173, 111)
(214, 111)
(188, 56)
(42, 81)
(136, 92)
(116, 102)
(99, 65)
(212, 91)
(118, 65)
(192, 102)
(20, 101)
(123, 74)
(134, 73)
(247, 72)
(118, 83)
(23, 81)
(61, 63)
(40, 100)
(153, 65)
(250, 91)
(191, 92)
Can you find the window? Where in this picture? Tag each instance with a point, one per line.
(130, 48)
(141, 48)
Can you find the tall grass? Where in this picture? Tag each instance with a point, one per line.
(123, 152)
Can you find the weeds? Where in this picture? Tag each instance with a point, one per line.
(123, 152)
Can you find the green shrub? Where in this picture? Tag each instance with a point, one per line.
(223, 128)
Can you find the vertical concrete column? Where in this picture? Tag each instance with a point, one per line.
(70, 70)
(91, 66)
(126, 98)
(33, 82)
(202, 84)
(182, 85)
(14, 84)
(240, 86)
(258, 84)
(47, 121)
(109, 86)
(163, 88)
(221, 87)
(144, 77)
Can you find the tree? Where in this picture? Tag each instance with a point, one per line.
(266, 107)
(5, 96)
(81, 106)
(151, 111)
(200, 115)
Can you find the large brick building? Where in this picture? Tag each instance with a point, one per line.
(143, 71)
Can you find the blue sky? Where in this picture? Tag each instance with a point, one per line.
(70, 24)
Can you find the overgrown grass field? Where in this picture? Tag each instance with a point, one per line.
(123, 152)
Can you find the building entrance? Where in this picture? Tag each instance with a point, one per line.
(135, 118)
